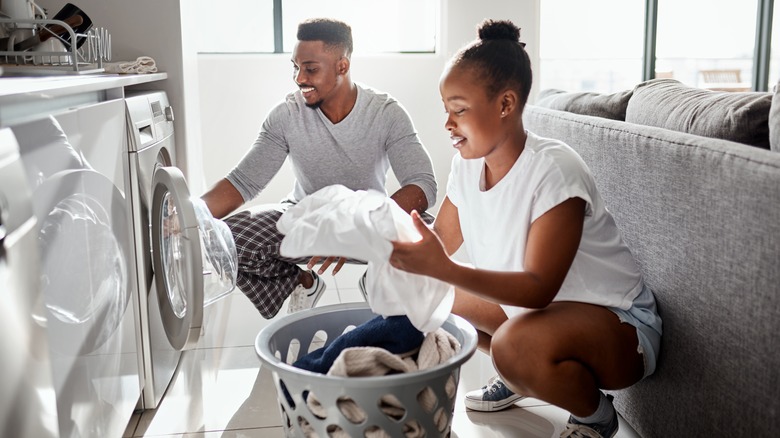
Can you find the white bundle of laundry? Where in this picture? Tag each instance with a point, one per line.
(337, 221)
(144, 64)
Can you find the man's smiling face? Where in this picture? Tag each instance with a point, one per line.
(317, 71)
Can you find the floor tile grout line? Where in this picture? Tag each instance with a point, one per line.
(221, 348)
(203, 432)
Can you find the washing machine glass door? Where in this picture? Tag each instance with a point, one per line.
(177, 260)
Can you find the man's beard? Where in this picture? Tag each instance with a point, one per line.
(314, 105)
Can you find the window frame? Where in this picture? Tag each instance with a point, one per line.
(279, 33)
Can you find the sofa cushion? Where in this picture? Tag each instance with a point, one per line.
(774, 121)
(666, 103)
(608, 106)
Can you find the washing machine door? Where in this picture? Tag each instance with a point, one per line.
(176, 256)
(85, 239)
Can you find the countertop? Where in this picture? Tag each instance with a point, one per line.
(17, 87)
(24, 98)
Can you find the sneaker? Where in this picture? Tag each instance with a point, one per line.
(492, 397)
(362, 286)
(575, 429)
(303, 299)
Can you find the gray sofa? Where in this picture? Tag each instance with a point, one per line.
(702, 217)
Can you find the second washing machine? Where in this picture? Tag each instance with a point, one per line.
(75, 162)
(28, 406)
(186, 259)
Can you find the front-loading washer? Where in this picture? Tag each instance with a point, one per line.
(75, 162)
(177, 271)
(27, 403)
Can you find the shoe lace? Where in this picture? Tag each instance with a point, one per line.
(494, 384)
(297, 298)
(579, 431)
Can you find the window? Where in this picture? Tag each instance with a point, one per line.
(717, 44)
(400, 26)
(583, 48)
(713, 51)
(235, 26)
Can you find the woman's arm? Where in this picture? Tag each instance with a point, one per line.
(447, 226)
(553, 240)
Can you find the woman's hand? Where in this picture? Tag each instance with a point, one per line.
(425, 257)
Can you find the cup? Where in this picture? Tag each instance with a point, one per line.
(20, 10)
(50, 49)
(70, 10)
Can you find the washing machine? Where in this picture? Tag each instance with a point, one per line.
(75, 162)
(185, 258)
(27, 403)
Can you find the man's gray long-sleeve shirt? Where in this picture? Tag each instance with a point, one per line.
(356, 152)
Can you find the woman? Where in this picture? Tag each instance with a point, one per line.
(556, 296)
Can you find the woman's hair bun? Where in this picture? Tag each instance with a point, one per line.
(498, 30)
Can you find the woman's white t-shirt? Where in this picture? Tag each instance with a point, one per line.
(495, 222)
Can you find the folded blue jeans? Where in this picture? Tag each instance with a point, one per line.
(395, 334)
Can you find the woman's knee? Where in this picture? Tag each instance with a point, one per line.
(517, 355)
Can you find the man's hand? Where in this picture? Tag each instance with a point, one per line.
(325, 264)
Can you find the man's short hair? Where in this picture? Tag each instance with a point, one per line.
(333, 33)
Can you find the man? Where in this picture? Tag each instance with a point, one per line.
(334, 131)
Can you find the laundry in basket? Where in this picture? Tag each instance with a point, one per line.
(436, 348)
(394, 334)
(419, 402)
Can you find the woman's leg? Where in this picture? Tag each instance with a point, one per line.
(565, 353)
(484, 315)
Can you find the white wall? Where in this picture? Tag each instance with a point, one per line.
(237, 91)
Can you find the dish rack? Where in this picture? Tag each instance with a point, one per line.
(89, 58)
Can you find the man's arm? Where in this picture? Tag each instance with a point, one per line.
(256, 168)
(411, 197)
(222, 198)
(410, 162)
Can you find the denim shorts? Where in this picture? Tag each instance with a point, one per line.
(643, 315)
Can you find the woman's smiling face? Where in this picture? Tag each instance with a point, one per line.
(473, 119)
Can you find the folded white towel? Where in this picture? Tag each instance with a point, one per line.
(144, 64)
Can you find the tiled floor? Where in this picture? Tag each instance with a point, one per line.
(221, 389)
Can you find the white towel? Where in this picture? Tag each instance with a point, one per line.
(336, 221)
(144, 64)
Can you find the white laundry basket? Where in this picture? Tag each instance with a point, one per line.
(282, 342)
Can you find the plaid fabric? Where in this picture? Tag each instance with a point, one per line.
(264, 276)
